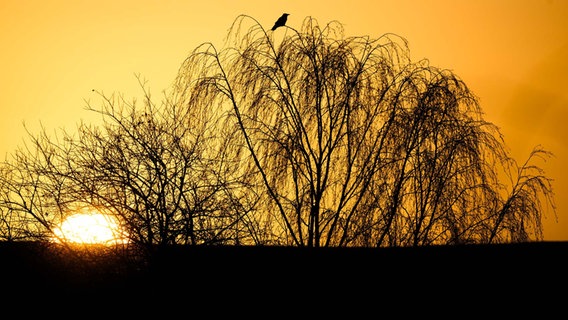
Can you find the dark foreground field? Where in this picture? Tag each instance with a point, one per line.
(516, 276)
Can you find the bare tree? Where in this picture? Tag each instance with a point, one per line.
(154, 168)
(159, 170)
(355, 144)
(32, 196)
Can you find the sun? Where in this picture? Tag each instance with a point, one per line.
(90, 228)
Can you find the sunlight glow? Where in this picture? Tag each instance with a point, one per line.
(90, 228)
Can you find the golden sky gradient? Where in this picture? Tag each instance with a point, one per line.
(512, 54)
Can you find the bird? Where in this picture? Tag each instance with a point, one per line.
(281, 21)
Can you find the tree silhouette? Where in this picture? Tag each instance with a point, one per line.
(316, 140)
(162, 175)
(357, 145)
(32, 196)
(152, 167)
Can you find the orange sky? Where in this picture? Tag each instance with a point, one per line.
(512, 54)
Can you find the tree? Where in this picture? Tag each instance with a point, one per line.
(356, 145)
(159, 169)
(152, 167)
(32, 196)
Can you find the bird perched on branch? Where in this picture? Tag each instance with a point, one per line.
(281, 21)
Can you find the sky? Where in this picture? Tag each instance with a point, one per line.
(511, 53)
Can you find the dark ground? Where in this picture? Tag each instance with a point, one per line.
(531, 277)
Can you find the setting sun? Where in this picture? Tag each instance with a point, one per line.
(89, 228)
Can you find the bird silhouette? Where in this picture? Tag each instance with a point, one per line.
(281, 21)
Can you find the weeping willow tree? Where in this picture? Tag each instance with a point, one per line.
(354, 144)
